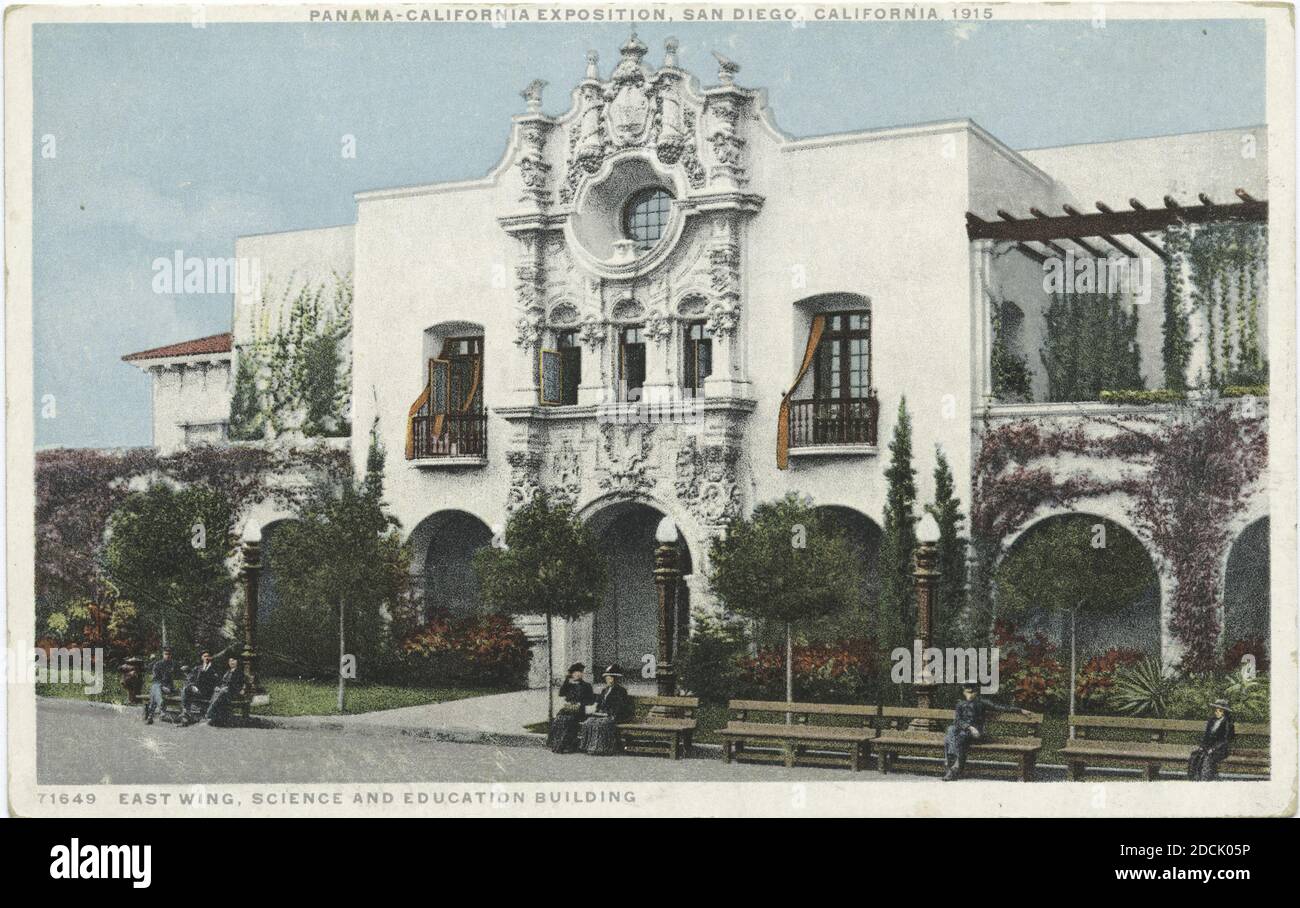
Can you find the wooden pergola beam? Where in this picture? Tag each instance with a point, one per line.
(1114, 223)
(1164, 256)
(1074, 212)
(1078, 241)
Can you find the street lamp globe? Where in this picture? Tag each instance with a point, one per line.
(252, 531)
(927, 530)
(666, 532)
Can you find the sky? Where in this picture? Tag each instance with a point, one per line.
(172, 137)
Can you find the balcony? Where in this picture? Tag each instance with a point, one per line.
(821, 427)
(461, 440)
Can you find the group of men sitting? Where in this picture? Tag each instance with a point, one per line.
(204, 684)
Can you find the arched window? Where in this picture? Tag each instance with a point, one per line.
(646, 216)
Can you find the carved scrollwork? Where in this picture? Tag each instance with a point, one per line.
(624, 464)
(706, 481)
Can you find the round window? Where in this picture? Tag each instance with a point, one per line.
(646, 216)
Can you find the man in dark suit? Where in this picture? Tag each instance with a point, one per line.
(970, 716)
(202, 682)
(230, 686)
(165, 672)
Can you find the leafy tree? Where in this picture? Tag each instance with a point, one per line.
(343, 572)
(785, 563)
(898, 541)
(1072, 564)
(946, 511)
(167, 551)
(1091, 346)
(550, 565)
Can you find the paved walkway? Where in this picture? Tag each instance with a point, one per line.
(502, 714)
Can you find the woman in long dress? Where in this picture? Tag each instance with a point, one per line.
(599, 735)
(1216, 744)
(578, 695)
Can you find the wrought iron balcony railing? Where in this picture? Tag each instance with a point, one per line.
(834, 421)
(460, 435)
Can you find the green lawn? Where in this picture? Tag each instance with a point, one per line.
(296, 697)
(292, 697)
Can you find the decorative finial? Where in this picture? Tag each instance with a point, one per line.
(592, 59)
(670, 52)
(727, 69)
(634, 48)
(533, 95)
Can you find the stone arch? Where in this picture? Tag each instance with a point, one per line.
(864, 535)
(1141, 624)
(268, 590)
(625, 628)
(442, 571)
(1246, 619)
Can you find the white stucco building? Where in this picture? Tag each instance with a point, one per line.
(617, 312)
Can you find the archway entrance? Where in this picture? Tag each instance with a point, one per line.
(442, 563)
(625, 629)
(1085, 561)
(1246, 597)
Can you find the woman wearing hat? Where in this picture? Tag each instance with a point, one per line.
(599, 735)
(1216, 744)
(577, 694)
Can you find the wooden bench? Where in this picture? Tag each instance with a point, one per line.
(171, 705)
(1095, 740)
(898, 737)
(799, 739)
(663, 725)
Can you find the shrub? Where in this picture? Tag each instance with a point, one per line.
(1245, 391)
(1142, 689)
(1030, 671)
(487, 651)
(1191, 698)
(1140, 398)
(707, 665)
(839, 672)
(1097, 676)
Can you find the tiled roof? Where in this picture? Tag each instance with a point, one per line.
(217, 343)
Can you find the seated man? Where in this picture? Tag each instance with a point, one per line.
(967, 728)
(202, 682)
(230, 687)
(165, 672)
(1216, 744)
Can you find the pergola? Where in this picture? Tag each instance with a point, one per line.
(1108, 225)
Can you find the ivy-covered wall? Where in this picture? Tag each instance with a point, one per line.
(293, 375)
(1178, 478)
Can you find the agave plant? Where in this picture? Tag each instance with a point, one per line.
(1141, 689)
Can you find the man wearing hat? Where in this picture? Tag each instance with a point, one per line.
(967, 727)
(599, 735)
(1216, 744)
(165, 672)
(201, 683)
(578, 695)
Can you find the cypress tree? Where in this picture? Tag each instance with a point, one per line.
(898, 542)
(946, 511)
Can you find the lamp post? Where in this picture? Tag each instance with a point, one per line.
(251, 571)
(926, 577)
(666, 575)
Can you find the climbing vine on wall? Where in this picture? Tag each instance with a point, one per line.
(1226, 270)
(296, 377)
(1010, 371)
(1186, 475)
(1090, 346)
